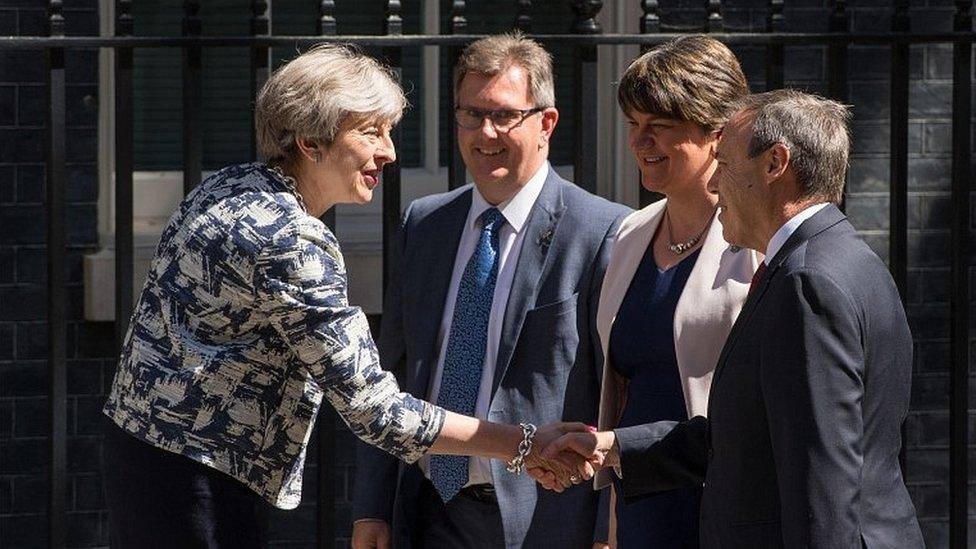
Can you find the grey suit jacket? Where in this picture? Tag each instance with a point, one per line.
(549, 364)
(800, 448)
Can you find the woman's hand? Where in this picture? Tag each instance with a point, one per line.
(562, 468)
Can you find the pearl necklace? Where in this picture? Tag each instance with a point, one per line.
(679, 248)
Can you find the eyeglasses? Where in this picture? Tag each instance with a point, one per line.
(503, 120)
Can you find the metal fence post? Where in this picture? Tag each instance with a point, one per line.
(585, 95)
(56, 291)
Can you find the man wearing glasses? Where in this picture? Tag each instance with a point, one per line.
(490, 312)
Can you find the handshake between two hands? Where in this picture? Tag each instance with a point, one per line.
(564, 454)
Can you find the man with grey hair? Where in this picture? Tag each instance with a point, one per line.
(800, 448)
(491, 311)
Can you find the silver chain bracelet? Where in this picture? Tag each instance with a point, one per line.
(517, 464)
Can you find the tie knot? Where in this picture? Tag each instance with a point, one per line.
(491, 219)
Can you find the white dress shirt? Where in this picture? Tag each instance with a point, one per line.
(783, 233)
(516, 212)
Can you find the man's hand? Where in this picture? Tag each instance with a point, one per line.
(561, 469)
(371, 534)
(592, 449)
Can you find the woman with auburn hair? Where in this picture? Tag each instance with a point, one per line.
(673, 287)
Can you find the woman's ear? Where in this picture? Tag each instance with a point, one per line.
(310, 149)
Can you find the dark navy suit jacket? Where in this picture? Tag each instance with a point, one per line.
(800, 448)
(549, 362)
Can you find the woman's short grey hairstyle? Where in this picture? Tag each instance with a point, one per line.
(494, 54)
(310, 96)
(815, 131)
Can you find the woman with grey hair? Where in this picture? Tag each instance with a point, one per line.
(243, 327)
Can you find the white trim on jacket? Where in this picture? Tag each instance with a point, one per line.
(707, 308)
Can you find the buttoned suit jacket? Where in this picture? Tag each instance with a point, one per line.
(549, 363)
(800, 448)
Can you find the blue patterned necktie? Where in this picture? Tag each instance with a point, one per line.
(466, 346)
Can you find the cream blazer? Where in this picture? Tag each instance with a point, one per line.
(708, 305)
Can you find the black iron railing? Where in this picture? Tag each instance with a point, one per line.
(585, 35)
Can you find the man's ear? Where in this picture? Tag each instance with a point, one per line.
(777, 160)
(713, 139)
(310, 149)
(550, 117)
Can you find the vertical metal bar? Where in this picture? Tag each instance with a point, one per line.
(898, 199)
(326, 26)
(192, 99)
(713, 16)
(123, 173)
(898, 162)
(56, 292)
(837, 52)
(260, 55)
(650, 23)
(455, 166)
(837, 58)
(393, 25)
(959, 278)
(325, 522)
(774, 52)
(523, 15)
(325, 531)
(585, 95)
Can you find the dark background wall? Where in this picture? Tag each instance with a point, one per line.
(91, 346)
(23, 336)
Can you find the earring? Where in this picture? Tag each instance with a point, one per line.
(318, 157)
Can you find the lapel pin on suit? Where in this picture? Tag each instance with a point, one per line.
(545, 237)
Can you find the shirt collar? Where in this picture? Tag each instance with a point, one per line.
(515, 210)
(788, 228)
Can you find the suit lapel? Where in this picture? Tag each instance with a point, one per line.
(821, 221)
(439, 236)
(540, 234)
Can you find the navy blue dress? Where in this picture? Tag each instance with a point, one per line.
(642, 351)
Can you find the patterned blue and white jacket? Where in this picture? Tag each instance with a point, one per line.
(242, 327)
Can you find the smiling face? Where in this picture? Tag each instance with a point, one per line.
(672, 155)
(353, 162)
(738, 180)
(502, 163)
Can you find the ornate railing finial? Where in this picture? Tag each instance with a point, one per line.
(586, 10)
(458, 22)
(713, 16)
(123, 18)
(393, 23)
(260, 22)
(327, 20)
(964, 15)
(838, 16)
(55, 18)
(191, 18)
(899, 18)
(523, 17)
(774, 18)
(651, 20)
